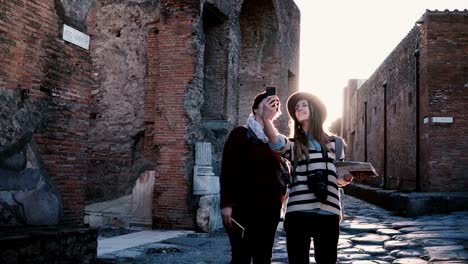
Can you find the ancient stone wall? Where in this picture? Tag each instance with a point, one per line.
(171, 57)
(444, 93)
(269, 57)
(159, 76)
(214, 98)
(45, 245)
(381, 116)
(41, 67)
(386, 112)
(118, 32)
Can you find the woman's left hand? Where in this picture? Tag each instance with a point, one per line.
(348, 177)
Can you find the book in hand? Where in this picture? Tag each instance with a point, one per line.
(238, 227)
(358, 169)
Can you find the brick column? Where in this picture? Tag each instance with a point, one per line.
(171, 66)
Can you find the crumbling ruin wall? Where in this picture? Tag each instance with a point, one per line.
(46, 70)
(159, 77)
(118, 31)
(166, 75)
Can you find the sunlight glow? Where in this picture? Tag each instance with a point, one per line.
(342, 40)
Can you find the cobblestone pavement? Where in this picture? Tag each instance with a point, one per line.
(369, 235)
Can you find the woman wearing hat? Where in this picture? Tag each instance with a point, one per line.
(251, 193)
(313, 208)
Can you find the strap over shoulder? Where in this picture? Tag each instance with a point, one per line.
(338, 148)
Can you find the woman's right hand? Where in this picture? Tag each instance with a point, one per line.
(226, 214)
(270, 107)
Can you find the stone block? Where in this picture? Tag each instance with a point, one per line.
(202, 171)
(16, 162)
(41, 207)
(209, 214)
(142, 201)
(205, 185)
(95, 219)
(410, 204)
(203, 153)
(25, 180)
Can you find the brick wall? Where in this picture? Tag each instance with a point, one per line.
(259, 54)
(169, 75)
(203, 65)
(289, 35)
(399, 80)
(386, 121)
(124, 106)
(444, 93)
(35, 57)
(218, 102)
(385, 101)
(215, 58)
(349, 121)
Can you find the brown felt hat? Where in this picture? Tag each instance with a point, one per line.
(315, 103)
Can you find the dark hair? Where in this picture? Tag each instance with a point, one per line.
(257, 100)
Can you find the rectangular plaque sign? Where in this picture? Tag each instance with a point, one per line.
(442, 120)
(76, 37)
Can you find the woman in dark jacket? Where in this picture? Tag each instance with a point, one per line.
(251, 194)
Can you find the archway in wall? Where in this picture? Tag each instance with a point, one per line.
(259, 52)
(215, 64)
(217, 104)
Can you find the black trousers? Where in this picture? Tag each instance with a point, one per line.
(300, 227)
(256, 244)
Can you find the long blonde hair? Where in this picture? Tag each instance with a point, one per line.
(315, 129)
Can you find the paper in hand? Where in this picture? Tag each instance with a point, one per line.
(238, 227)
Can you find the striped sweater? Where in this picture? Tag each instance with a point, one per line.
(300, 197)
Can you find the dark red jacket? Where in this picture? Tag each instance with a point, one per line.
(249, 173)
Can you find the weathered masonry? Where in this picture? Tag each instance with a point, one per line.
(410, 117)
(80, 125)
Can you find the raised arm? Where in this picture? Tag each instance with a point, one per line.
(268, 114)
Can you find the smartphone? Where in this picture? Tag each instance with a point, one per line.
(270, 91)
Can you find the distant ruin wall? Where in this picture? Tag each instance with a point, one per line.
(381, 116)
(444, 93)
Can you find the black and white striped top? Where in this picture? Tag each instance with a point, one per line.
(300, 197)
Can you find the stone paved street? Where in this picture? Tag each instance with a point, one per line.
(370, 235)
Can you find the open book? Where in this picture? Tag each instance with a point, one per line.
(356, 168)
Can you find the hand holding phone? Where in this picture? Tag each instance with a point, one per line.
(270, 91)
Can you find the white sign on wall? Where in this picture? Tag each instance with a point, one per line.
(442, 120)
(76, 37)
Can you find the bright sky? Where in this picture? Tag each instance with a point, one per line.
(342, 40)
